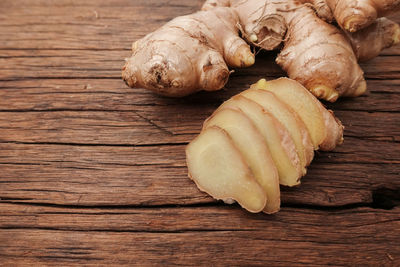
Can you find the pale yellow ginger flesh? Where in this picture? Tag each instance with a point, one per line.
(289, 119)
(278, 139)
(253, 138)
(253, 147)
(325, 130)
(218, 168)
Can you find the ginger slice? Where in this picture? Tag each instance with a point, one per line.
(325, 131)
(218, 168)
(289, 119)
(278, 139)
(254, 149)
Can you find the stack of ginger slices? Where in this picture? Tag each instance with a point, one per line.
(259, 139)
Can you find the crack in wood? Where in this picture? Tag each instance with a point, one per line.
(383, 198)
(151, 122)
(179, 231)
(94, 145)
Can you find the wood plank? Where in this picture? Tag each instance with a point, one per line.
(157, 175)
(325, 185)
(114, 95)
(27, 64)
(129, 128)
(207, 218)
(72, 24)
(354, 150)
(207, 236)
(147, 125)
(70, 248)
(382, 95)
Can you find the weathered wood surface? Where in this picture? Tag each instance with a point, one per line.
(92, 172)
(204, 236)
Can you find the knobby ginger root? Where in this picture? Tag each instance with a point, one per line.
(353, 15)
(249, 141)
(193, 53)
(369, 42)
(315, 53)
(188, 54)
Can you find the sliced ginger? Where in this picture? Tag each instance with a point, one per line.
(325, 131)
(258, 139)
(289, 119)
(253, 147)
(279, 142)
(218, 168)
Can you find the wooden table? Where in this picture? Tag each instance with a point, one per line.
(93, 172)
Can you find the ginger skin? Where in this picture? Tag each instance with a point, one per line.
(368, 42)
(320, 56)
(354, 15)
(193, 53)
(188, 54)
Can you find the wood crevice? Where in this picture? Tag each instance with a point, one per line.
(93, 144)
(382, 198)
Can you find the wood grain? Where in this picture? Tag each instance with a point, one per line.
(159, 124)
(93, 173)
(156, 175)
(205, 236)
(114, 95)
(98, 64)
(84, 25)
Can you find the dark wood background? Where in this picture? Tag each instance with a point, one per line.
(92, 172)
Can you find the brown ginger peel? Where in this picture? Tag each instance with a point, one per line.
(317, 54)
(194, 52)
(188, 54)
(354, 15)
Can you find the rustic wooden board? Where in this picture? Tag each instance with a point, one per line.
(205, 236)
(93, 172)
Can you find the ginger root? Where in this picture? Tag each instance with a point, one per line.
(353, 15)
(188, 54)
(368, 42)
(317, 54)
(245, 141)
(193, 53)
